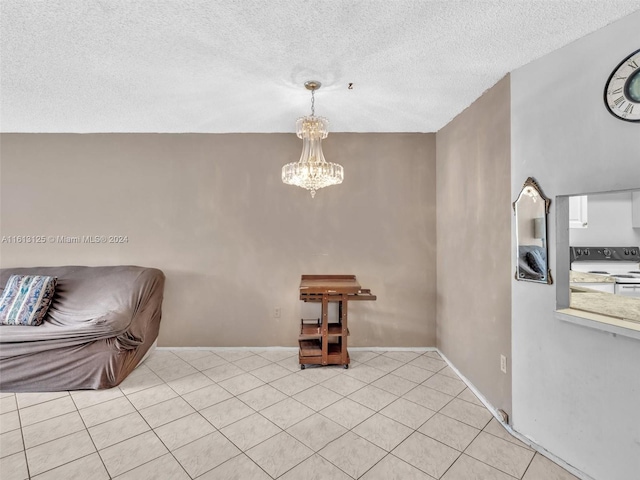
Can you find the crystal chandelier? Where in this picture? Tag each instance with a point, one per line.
(312, 171)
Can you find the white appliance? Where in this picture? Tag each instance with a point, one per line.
(620, 263)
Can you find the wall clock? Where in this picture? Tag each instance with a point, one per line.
(622, 91)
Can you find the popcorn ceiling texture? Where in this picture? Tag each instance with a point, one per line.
(239, 65)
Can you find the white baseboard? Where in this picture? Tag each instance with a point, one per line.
(222, 349)
(394, 349)
(355, 349)
(524, 439)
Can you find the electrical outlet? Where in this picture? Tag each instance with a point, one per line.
(503, 364)
(276, 312)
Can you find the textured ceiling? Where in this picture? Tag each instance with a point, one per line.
(239, 66)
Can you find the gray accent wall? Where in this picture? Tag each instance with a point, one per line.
(232, 239)
(576, 390)
(474, 222)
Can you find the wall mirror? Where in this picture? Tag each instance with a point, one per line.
(531, 209)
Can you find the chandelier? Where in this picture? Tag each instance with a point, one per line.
(312, 171)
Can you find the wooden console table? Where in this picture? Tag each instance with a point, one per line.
(323, 342)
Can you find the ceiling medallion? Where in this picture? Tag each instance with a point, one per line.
(312, 171)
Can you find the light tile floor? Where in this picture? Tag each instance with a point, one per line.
(254, 415)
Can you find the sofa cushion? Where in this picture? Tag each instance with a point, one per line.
(26, 299)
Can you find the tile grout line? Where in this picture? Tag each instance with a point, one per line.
(58, 438)
(390, 452)
(151, 429)
(26, 461)
(165, 382)
(529, 464)
(285, 430)
(379, 411)
(90, 437)
(314, 383)
(460, 453)
(234, 396)
(242, 452)
(86, 428)
(489, 465)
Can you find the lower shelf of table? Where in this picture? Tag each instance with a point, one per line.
(315, 331)
(311, 353)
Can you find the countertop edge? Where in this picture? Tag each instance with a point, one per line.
(596, 321)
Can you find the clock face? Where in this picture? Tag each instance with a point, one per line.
(622, 92)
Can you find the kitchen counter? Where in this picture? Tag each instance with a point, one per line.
(626, 308)
(583, 277)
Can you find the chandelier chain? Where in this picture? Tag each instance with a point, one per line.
(313, 103)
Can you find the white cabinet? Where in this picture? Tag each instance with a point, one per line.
(578, 212)
(635, 209)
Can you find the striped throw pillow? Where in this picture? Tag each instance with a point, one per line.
(26, 299)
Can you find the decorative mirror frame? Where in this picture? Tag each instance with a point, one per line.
(529, 185)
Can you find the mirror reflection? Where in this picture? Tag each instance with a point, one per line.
(531, 209)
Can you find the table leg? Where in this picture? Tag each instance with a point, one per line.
(344, 302)
(325, 329)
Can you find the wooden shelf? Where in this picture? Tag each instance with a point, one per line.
(310, 328)
(310, 348)
(313, 331)
(311, 353)
(309, 331)
(336, 330)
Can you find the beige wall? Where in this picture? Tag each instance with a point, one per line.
(211, 211)
(474, 239)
